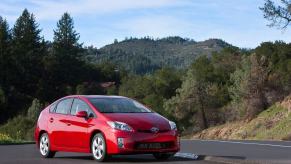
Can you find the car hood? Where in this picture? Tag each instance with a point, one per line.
(141, 121)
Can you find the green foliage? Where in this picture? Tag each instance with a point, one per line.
(22, 127)
(204, 90)
(146, 55)
(5, 139)
(2, 97)
(153, 89)
(279, 58)
(90, 89)
(280, 15)
(197, 84)
(5, 41)
(34, 110)
(27, 52)
(18, 128)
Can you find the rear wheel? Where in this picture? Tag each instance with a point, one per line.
(163, 156)
(44, 146)
(98, 147)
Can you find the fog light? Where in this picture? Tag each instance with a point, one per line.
(120, 142)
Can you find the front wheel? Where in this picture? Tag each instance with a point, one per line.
(98, 147)
(44, 146)
(163, 156)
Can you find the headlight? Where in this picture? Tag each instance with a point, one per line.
(173, 125)
(119, 125)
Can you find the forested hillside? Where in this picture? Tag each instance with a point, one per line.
(146, 55)
(196, 84)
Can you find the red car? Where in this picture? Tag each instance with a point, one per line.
(104, 126)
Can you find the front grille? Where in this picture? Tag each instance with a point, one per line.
(154, 145)
(149, 131)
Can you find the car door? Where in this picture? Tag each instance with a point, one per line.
(79, 136)
(58, 123)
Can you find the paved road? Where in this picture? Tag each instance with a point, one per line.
(256, 151)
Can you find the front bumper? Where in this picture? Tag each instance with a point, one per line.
(131, 140)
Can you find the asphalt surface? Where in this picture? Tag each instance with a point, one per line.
(209, 152)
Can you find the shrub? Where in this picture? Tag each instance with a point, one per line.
(4, 138)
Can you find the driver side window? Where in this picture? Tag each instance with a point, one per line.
(79, 105)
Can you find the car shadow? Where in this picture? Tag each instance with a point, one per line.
(132, 158)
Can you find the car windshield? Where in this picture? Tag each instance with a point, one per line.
(118, 105)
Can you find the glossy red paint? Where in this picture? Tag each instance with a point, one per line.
(71, 133)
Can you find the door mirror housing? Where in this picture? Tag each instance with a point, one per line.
(82, 114)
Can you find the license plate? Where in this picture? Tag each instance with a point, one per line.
(155, 145)
(149, 146)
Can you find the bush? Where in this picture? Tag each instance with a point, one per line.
(18, 128)
(22, 127)
(4, 138)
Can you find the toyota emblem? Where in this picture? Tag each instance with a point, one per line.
(154, 130)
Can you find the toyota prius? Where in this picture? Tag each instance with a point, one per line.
(104, 126)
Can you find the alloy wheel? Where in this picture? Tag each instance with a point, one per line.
(44, 145)
(99, 147)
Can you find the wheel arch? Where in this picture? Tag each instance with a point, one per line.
(41, 132)
(93, 133)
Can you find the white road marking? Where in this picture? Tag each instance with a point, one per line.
(246, 143)
(187, 155)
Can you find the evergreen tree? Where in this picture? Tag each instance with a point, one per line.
(5, 38)
(27, 53)
(280, 15)
(67, 51)
(66, 38)
(64, 68)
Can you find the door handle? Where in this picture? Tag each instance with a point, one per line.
(51, 120)
(69, 124)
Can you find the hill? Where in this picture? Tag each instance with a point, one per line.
(272, 124)
(146, 55)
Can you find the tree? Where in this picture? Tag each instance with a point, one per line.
(34, 110)
(27, 53)
(5, 39)
(63, 67)
(66, 50)
(249, 85)
(66, 38)
(280, 15)
(2, 99)
(191, 102)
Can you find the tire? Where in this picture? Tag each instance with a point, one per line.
(163, 156)
(44, 146)
(98, 148)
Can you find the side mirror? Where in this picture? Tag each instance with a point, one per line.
(82, 114)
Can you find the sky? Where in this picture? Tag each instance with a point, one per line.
(99, 22)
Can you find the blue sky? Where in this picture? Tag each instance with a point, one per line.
(99, 22)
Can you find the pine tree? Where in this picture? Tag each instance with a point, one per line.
(67, 50)
(27, 53)
(66, 38)
(5, 38)
(63, 67)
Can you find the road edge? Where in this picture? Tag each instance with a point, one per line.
(18, 143)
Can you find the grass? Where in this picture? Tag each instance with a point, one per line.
(7, 140)
(272, 124)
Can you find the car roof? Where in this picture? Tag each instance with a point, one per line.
(97, 96)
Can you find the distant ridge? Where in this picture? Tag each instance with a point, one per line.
(145, 55)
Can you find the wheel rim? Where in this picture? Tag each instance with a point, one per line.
(98, 147)
(44, 145)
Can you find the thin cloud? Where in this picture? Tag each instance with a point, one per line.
(158, 26)
(51, 10)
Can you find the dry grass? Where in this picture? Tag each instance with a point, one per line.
(272, 124)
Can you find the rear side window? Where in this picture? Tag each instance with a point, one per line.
(64, 106)
(52, 108)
